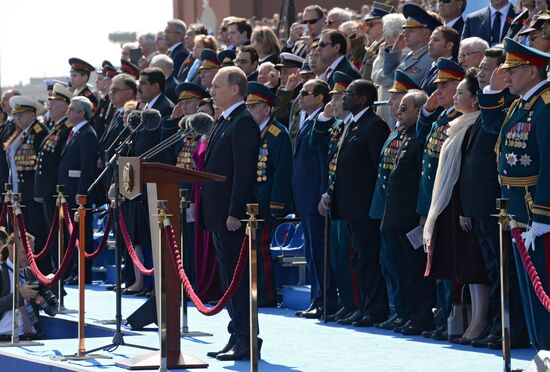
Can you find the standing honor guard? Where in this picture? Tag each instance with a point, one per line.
(80, 75)
(273, 182)
(524, 167)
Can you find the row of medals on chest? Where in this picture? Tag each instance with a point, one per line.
(518, 134)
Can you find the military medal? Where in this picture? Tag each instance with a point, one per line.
(511, 159)
(525, 160)
(261, 171)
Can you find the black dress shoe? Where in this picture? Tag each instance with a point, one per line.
(365, 321)
(484, 342)
(299, 313)
(514, 344)
(429, 334)
(440, 335)
(316, 313)
(150, 293)
(129, 291)
(412, 330)
(398, 328)
(391, 319)
(232, 341)
(343, 313)
(356, 315)
(241, 351)
(390, 325)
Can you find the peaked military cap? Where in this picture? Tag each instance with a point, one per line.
(51, 82)
(80, 65)
(60, 93)
(416, 17)
(341, 82)
(306, 69)
(209, 60)
(259, 93)
(107, 69)
(535, 25)
(378, 11)
(190, 90)
(448, 70)
(129, 68)
(226, 57)
(289, 60)
(402, 83)
(519, 55)
(21, 104)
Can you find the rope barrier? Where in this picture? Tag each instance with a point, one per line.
(4, 214)
(233, 286)
(32, 263)
(53, 230)
(530, 268)
(130, 246)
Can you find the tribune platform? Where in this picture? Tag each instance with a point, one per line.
(290, 344)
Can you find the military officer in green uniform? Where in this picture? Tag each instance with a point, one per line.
(388, 157)
(328, 129)
(431, 127)
(523, 160)
(273, 182)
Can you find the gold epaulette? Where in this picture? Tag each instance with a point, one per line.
(274, 205)
(37, 128)
(546, 96)
(499, 104)
(273, 130)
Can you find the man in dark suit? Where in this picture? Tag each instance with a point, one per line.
(332, 48)
(77, 168)
(309, 182)
(490, 23)
(356, 173)
(166, 64)
(232, 152)
(174, 34)
(451, 12)
(443, 43)
(247, 60)
(151, 91)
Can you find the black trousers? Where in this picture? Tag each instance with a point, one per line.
(228, 246)
(365, 238)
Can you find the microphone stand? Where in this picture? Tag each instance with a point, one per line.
(118, 337)
(174, 138)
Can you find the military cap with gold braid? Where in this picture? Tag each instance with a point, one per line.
(259, 93)
(378, 11)
(107, 69)
(80, 65)
(448, 70)
(535, 25)
(21, 104)
(519, 55)
(341, 82)
(416, 17)
(190, 90)
(209, 60)
(60, 93)
(289, 60)
(402, 83)
(226, 57)
(129, 68)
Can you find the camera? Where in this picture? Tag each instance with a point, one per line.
(45, 292)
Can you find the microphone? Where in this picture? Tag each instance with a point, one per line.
(200, 123)
(134, 119)
(150, 119)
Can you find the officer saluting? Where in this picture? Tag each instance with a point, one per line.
(523, 161)
(273, 181)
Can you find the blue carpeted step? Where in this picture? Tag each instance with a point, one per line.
(296, 296)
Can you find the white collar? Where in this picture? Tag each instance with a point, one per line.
(453, 21)
(264, 124)
(359, 114)
(227, 112)
(333, 65)
(152, 102)
(77, 127)
(348, 118)
(504, 10)
(309, 117)
(532, 91)
(171, 49)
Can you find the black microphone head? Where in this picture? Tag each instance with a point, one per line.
(134, 118)
(150, 119)
(200, 123)
(182, 124)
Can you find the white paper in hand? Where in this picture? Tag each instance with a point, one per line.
(415, 237)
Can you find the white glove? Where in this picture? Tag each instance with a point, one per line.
(190, 213)
(537, 229)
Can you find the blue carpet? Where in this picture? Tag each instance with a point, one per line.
(290, 344)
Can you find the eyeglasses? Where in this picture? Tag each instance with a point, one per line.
(322, 44)
(305, 93)
(348, 93)
(464, 55)
(311, 21)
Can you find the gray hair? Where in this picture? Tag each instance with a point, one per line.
(477, 43)
(181, 27)
(148, 38)
(419, 97)
(393, 24)
(130, 45)
(165, 63)
(85, 105)
(342, 14)
(348, 27)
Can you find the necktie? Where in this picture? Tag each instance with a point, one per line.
(327, 74)
(495, 31)
(71, 135)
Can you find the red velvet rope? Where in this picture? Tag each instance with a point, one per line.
(4, 214)
(53, 229)
(32, 263)
(233, 286)
(530, 268)
(102, 244)
(130, 246)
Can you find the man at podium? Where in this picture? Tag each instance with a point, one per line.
(232, 152)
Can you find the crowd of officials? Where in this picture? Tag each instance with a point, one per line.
(400, 123)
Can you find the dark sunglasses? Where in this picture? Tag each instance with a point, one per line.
(311, 21)
(305, 93)
(445, 1)
(322, 44)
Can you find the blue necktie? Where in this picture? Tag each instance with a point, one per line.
(495, 31)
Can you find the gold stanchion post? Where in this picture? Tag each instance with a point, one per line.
(60, 200)
(15, 341)
(162, 209)
(503, 221)
(252, 211)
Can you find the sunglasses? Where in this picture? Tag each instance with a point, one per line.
(311, 21)
(445, 1)
(305, 93)
(322, 44)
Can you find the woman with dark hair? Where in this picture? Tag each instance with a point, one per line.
(453, 249)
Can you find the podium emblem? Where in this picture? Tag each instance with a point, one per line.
(128, 178)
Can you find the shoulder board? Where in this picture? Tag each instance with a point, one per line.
(67, 124)
(546, 96)
(419, 53)
(37, 128)
(273, 130)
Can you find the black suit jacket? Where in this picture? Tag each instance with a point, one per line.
(164, 105)
(347, 68)
(253, 76)
(479, 24)
(232, 152)
(459, 25)
(170, 89)
(178, 55)
(357, 167)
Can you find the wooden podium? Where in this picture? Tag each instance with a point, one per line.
(163, 183)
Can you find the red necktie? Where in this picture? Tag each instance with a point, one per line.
(71, 134)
